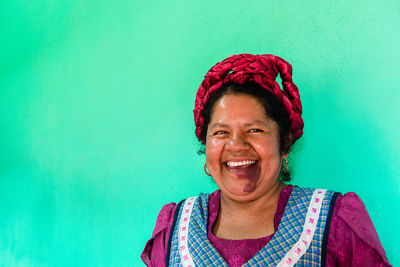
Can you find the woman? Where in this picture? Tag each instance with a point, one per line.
(248, 125)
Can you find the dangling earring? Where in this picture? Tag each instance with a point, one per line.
(285, 174)
(205, 169)
(285, 165)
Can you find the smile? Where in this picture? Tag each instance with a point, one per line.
(244, 169)
(244, 163)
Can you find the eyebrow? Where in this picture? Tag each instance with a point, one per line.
(223, 125)
(257, 122)
(218, 124)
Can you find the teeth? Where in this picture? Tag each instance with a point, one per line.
(240, 163)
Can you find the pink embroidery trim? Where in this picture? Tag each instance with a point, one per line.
(186, 258)
(309, 227)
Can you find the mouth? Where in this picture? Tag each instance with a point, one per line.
(247, 170)
(240, 164)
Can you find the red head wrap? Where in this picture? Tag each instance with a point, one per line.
(261, 69)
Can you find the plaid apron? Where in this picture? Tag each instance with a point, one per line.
(300, 239)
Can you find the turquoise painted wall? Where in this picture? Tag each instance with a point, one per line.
(96, 102)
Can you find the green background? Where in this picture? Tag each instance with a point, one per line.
(96, 120)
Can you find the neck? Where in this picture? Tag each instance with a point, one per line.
(253, 219)
(253, 208)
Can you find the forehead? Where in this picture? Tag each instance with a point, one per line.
(239, 106)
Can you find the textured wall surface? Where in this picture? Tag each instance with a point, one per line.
(96, 121)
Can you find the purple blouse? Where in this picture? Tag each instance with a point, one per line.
(352, 239)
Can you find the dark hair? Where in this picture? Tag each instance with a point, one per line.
(274, 109)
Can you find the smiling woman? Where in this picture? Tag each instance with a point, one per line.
(242, 148)
(248, 125)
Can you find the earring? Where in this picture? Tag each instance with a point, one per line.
(285, 174)
(285, 165)
(205, 169)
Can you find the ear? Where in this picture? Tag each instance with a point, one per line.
(288, 144)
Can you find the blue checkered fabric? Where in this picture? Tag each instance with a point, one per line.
(287, 234)
(313, 255)
(201, 249)
(290, 229)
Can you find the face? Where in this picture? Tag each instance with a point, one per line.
(242, 148)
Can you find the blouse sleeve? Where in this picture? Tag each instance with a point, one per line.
(352, 239)
(154, 252)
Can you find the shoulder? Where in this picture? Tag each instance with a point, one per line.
(164, 218)
(351, 211)
(352, 239)
(154, 252)
(306, 190)
(306, 194)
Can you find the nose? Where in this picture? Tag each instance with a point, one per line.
(237, 142)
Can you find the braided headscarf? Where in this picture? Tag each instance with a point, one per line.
(261, 69)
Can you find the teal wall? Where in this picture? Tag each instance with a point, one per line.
(97, 130)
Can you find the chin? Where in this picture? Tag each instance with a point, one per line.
(244, 193)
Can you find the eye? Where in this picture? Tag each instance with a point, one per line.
(256, 130)
(220, 132)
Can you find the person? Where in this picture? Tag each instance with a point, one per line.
(247, 125)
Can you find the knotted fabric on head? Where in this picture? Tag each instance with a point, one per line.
(261, 69)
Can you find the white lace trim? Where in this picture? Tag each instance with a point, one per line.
(186, 258)
(310, 225)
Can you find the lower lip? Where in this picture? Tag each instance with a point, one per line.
(252, 172)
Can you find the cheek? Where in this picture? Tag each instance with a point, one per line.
(213, 152)
(268, 150)
(271, 155)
